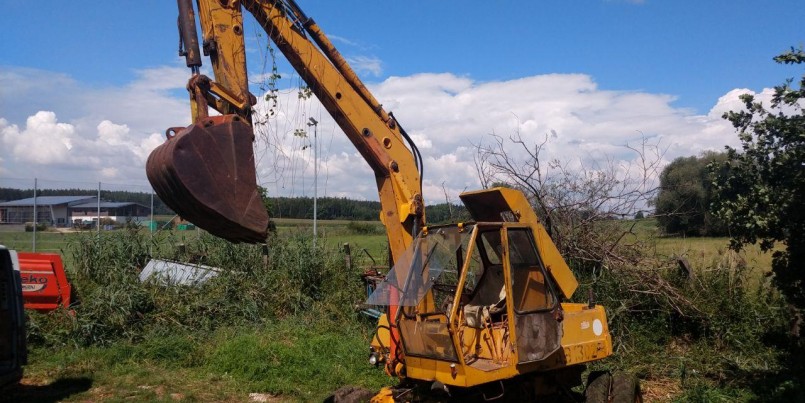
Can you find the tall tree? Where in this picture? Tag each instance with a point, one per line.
(683, 202)
(761, 187)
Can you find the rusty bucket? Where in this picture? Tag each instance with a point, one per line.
(206, 174)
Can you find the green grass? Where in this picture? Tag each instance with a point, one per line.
(15, 237)
(290, 331)
(701, 252)
(704, 252)
(291, 361)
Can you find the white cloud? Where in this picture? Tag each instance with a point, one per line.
(45, 146)
(342, 40)
(366, 64)
(446, 114)
(107, 133)
(42, 141)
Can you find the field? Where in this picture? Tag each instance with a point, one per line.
(250, 346)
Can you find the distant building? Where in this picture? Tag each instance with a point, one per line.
(64, 210)
(50, 209)
(119, 212)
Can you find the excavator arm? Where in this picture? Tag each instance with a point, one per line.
(441, 334)
(374, 132)
(205, 172)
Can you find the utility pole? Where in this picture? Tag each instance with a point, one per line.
(99, 211)
(36, 186)
(315, 125)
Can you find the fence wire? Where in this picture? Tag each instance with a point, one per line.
(39, 214)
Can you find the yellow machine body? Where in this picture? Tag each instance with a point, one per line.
(466, 304)
(493, 312)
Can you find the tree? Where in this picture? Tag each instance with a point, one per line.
(683, 202)
(760, 191)
(577, 202)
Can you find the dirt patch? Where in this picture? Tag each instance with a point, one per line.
(660, 390)
(264, 397)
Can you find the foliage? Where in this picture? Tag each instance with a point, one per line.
(761, 187)
(364, 228)
(40, 226)
(329, 208)
(295, 278)
(444, 213)
(579, 205)
(287, 326)
(282, 323)
(683, 202)
(710, 330)
(266, 200)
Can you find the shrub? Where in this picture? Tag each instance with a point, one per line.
(362, 228)
(40, 226)
(294, 279)
(709, 329)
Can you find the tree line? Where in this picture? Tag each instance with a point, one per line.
(329, 208)
(337, 208)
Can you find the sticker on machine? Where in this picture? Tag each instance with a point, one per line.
(598, 327)
(33, 287)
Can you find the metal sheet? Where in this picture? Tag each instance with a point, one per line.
(175, 273)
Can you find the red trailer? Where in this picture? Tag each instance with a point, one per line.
(44, 284)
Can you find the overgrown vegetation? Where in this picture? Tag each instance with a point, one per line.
(282, 323)
(713, 332)
(761, 188)
(710, 333)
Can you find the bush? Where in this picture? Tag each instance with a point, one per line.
(295, 279)
(711, 330)
(362, 228)
(40, 226)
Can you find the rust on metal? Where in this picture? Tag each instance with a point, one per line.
(206, 174)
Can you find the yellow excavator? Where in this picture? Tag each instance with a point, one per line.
(471, 311)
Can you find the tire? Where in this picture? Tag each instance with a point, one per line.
(625, 388)
(597, 390)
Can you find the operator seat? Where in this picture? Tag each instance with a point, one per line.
(488, 300)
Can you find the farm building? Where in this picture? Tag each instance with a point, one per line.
(64, 210)
(119, 212)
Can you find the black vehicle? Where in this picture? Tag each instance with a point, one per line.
(13, 351)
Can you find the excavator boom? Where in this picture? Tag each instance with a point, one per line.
(466, 305)
(205, 172)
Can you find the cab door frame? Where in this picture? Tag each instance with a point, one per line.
(536, 330)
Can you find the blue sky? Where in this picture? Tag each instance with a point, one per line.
(65, 57)
(694, 50)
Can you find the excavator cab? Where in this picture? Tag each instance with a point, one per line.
(482, 302)
(476, 300)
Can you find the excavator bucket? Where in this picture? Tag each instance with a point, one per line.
(206, 174)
